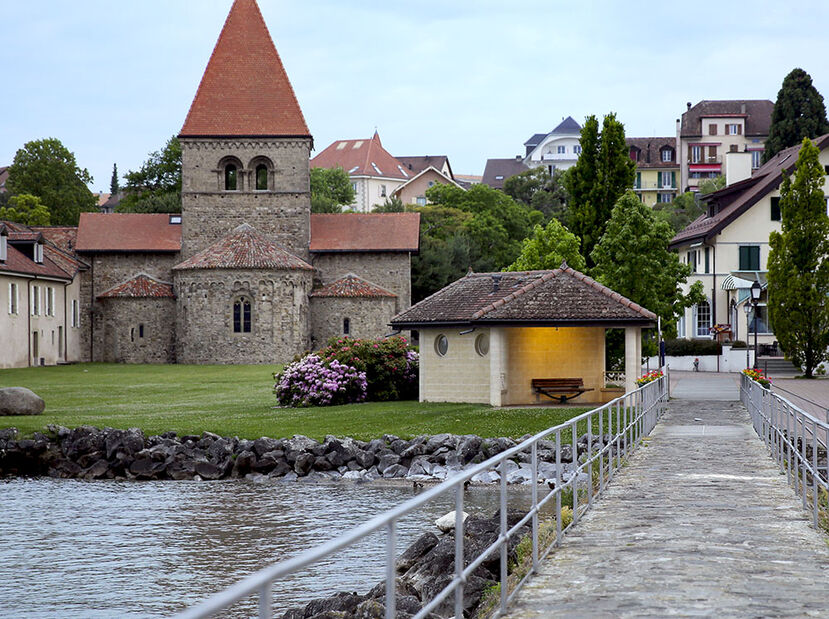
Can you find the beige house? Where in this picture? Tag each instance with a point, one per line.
(728, 246)
(413, 191)
(39, 300)
(657, 169)
(485, 337)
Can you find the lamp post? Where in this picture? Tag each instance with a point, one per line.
(755, 297)
(747, 308)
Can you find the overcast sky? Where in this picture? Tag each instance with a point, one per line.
(470, 79)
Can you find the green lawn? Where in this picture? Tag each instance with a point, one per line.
(237, 400)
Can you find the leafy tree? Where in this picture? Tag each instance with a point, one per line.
(444, 254)
(547, 248)
(26, 209)
(390, 205)
(798, 288)
(114, 183)
(678, 214)
(156, 187)
(539, 190)
(603, 173)
(48, 170)
(799, 112)
(331, 189)
(633, 259)
(710, 185)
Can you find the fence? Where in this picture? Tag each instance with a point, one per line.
(613, 431)
(796, 439)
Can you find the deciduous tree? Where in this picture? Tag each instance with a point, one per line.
(156, 187)
(26, 209)
(547, 248)
(48, 170)
(331, 190)
(537, 189)
(798, 266)
(678, 214)
(799, 112)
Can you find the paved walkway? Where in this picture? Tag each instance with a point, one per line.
(705, 385)
(699, 524)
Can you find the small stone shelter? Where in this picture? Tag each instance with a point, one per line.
(486, 336)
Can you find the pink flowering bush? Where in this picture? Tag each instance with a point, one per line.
(313, 381)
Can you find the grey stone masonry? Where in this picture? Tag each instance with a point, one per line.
(282, 211)
(137, 331)
(367, 318)
(389, 270)
(699, 524)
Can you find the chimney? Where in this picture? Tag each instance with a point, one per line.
(743, 108)
(737, 167)
(496, 283)
(688, 104)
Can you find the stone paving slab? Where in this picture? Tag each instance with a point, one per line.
(698, 524)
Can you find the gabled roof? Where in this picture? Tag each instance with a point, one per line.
(650, 151)
(362, 158)
(18, 262)
(499, 170)
(535, 139)
(561, 297)
(57, 248)
(127, 232)
(142, 286)
(365, 232)
(351, 286)
(244, 248)
(418, 164)
(726, 205)
(568, 125)
(433, 170)
(245, 90)
(63, 237)
(757, 113)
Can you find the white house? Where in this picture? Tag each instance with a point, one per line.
(557, 150)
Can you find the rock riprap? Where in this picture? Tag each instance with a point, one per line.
(91, 453)
(20, 401)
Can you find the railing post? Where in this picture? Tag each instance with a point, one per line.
(558, 487)
(574, 478)
(814, 474)
(459, 560)
(601, 451)
(265, 602)
(589, 461)
(391, 588)
(503, 537)
(534, 460)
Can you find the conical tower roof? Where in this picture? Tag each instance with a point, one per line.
(245, 90)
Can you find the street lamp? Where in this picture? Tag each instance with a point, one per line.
(755, 296)
(747, 308)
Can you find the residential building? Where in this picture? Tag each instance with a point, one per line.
(557, 150)
(657, 168)
(710, 129)
(373, 171)
(467, 180)
(728, 246)
(497, 171)
(39, 299)
(420, 163)
(413, 191)
(4, 176)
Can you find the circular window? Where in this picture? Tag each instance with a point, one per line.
(482, 344)
(441, 345)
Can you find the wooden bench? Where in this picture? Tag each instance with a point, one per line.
(561, 389)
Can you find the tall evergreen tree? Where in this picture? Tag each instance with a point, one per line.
(799, 112)
(602, 175)
(798, 268)
(114, 184)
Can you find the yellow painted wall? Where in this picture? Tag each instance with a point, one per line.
(546, 352)
(461, 375)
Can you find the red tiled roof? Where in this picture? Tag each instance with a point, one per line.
(17, 262)
(140, 287)
(244, 248)
(127, 232)
(24, 235)
(365, 232)
(65, 260)
(729, 203)
(362, 158)
(352, 286)
(757, 113)
(562, 297)
(64, 237)
(245, 90)
(650, 152)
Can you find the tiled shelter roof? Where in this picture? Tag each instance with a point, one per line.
(365, 232)
(352, 286)
(560, 297)
(244, 248)
(245, 90)
(128, 232)
(141, 286)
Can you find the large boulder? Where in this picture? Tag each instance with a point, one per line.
(20, 401)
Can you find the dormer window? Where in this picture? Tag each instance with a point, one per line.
(231, 177)
(4, 245)
(261, 177)
(634, 154)
(667, 155)
(38, 253)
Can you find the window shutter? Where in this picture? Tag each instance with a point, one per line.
(659, 180)
(707, 259)
(712, 129)
(638, 180)
(673, 179)
(11, 300)
(739, 129)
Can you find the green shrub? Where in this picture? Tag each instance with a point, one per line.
(692, 348)
(390, 364)
(738, 344)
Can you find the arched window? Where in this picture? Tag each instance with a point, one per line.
(261, 177)
(231, 174)
(241, 315)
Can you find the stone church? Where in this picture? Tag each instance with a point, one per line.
(245, 274)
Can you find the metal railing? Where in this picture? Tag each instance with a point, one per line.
(614, 378)
(795, 439)
(613, 431)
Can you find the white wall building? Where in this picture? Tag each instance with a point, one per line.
(557, 150)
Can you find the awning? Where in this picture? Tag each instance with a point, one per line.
(732, 282)
(704, 168)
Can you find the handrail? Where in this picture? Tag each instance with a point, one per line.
(794, 438)
(626, 419)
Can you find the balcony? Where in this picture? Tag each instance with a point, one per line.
(559, 157)
(653, 187)
(711, 160)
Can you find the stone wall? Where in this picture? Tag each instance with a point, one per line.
(392, 271)
(368, 318)
(282, 212)
(279, 315)
(138, 330)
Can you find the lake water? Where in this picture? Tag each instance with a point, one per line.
(108, 549)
